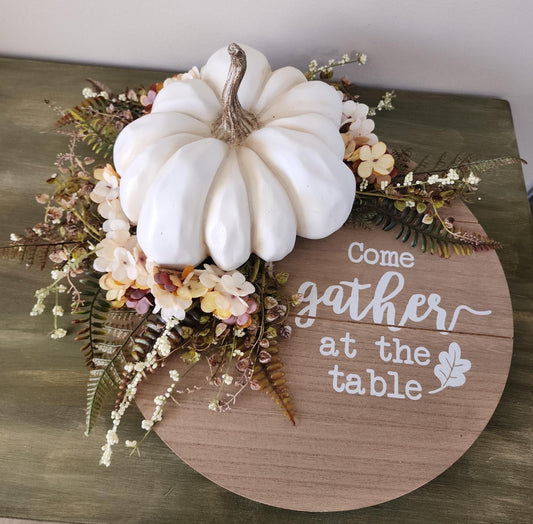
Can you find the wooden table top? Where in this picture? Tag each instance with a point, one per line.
(50, 471)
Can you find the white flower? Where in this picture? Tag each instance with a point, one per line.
(360, 131)
(225, 302)
(124, 267)
(56, 274)
(122, 97)
(361, 126)
(112, 437)
(210, 276)
(145, 267)
(58, 333)
(105, 251)
(214, 405)
(159, 400)
(235, 284)
(130, 443)
(105, 460)
(162, 345)
(106, 189)
(37, 309)
(174, 375)
(228, 379)
(169, 304)
(453, 175)
(88, 92)
(147, 424)
(112, 210)
(472, 179)
(58, 311)
(116, 224)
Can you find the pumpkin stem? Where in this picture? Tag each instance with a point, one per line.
(234, 123)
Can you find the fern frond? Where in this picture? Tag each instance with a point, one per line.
(463, 162)
(93, 314)
(433, 237)
(96, 124)
(32, 248)
(142, 344)
(271, 379)
(481, 166)
(108, 361)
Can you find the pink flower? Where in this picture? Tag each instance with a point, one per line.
(138, 300)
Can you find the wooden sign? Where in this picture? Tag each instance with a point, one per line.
(396, 363)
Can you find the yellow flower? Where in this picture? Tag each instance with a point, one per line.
(100, 172)
(191, 288)
(374, 160)
(115, 290)
(216, 303)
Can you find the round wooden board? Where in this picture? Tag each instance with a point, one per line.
(380, 410)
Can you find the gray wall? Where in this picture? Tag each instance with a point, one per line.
(482, 47)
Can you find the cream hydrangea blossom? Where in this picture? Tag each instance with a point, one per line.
(170, 305)
(360, 130)
(105, 251)
(193, 73)
(235, 284)
(107, 188)
(227, 292)
(210, 276)
(116, 219)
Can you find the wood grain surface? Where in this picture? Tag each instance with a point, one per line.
(373, 420)
(49, 471)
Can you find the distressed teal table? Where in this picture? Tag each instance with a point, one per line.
(50, 471)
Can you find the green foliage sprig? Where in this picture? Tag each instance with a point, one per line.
(436, 237)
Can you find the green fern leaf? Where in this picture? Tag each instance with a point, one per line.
(109, 358)
(433, 237)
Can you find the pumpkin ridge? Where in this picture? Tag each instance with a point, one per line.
(302, 99)
(322, 128)
(135, 138)
(239, 237)
(278, 82)
(273, 234)
(192, 97)
(141, 174)
(317, 209)
(175, 200)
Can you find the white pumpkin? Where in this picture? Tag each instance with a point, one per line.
(203, 174)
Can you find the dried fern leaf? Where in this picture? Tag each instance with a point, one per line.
(31, 248)
(271, 379)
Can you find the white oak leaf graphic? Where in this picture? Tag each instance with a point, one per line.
(451, 368)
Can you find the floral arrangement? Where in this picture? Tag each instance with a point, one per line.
(134, 313)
